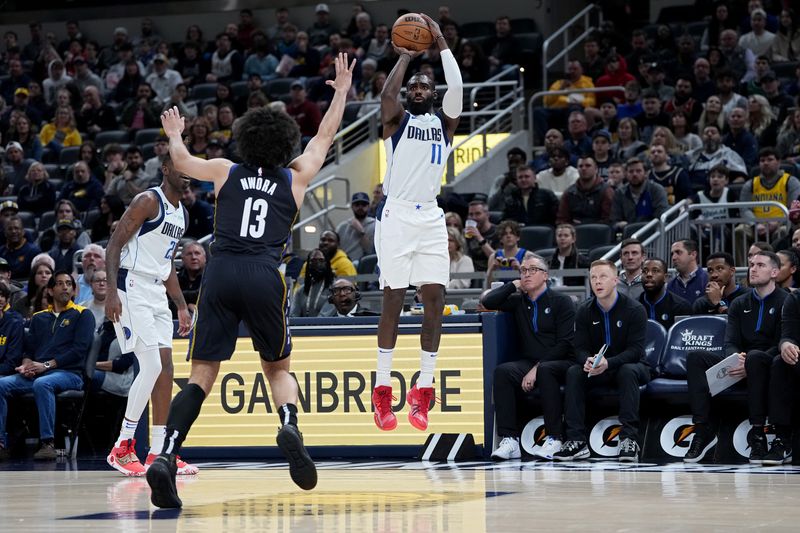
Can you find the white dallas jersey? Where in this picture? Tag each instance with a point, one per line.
(150, 251)
(416, 157)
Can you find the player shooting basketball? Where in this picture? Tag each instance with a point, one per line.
(410, 236)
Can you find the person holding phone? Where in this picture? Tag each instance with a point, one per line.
(617, 323)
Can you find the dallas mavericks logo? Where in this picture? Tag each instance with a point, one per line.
(127, 332)
(533, 436)
(604, 439)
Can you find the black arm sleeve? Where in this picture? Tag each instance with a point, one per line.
(499, 298)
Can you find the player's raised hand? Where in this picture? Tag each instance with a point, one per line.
(344, 74)
(184, 322)
(172, 122)
(411, 53)
(433, 26)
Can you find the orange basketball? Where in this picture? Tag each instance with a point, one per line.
(411, 32)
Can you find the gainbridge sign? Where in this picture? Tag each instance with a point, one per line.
(463, 156)
(336, 376)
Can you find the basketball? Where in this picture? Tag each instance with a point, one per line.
(411, 32)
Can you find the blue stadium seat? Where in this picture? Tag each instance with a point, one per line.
(696, 333)
(203, 90)
(146, 135)
(589, 236)
(654, 346)
(536, 237)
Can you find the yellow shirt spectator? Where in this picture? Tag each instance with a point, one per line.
(574, 80)
(62, 130)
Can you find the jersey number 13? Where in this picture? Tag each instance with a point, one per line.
(257, 211)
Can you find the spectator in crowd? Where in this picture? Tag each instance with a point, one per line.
(588, 200)
(716, 191)
(640, 49)
(763, 121)
(83, 190)
(684, 60)
(16, 166)
(57, 79)
(62, 132)
(683, 100)
(143, 111)
(459, 262)
(64, 210)
(628, 144)
(93, 258)
(12, 333)
(623, 364)
(323, 28)
(96, 300)
(364, 31)
(246, 29)
(281, 20)
(779, 101)
(632, 254)
(720, 20)
(552, 139)
(224, 131)
(133, 180)
(226, 63)
(739, 139)
(190, 66)
(201, 213)
(23, 133)
(200, 135)
(54, 351)
(508, 255)
(450, 33)
(738, 60)
(16, 294)
(721, 288)
(305, 112)
(17, 79)
(631, 104)
(163, 80)
(66, 245)
(726, 85)
(772, 184)
(529, 204)
(38, 194)
(560, 174)
(616, 175)
(344, 297)
(481, 235)
(673, 179)
(654, 76)
(261, 62)
(35, 299)
(608, 119)
(502, 48)
(616, 73)
(690, 280)
(378, 47)
(84, 77)
(640, 200)
(681, 130)
(453, 220)
(787, 275)
(473, 63)
(17, 250)
(557, 107)
(759, 40)
(566, 256)
(789, 137)
(578, 141)
(88, 153)
(190, 274)
(660, 304)
(546, 352)
(377, 197)
(95, 116)
(601, 148)
(129, 83)
(357, 234)
(783, 384)
(504, 183)
(651, 116)
(713, 153)
(340, 263)
(786, 46)
(311, 292)
(753, 333)
(111, 209)
(711, 115)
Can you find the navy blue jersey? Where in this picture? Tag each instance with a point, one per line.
(255, 211)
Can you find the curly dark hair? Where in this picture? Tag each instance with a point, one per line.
(266, 138)
(327, 277)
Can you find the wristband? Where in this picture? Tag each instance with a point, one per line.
(482, 243)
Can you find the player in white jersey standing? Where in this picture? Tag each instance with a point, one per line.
(139, 260)
(410, 235)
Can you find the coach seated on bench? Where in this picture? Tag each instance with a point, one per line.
(753, 332)
(55, 349)
(545, 320)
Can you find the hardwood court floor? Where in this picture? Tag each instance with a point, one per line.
(409, 496)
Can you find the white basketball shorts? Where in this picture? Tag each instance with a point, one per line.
(411, 244)
(145, 312)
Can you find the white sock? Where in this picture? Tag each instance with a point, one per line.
(384, 375)
(127, 431)
(427, 364)
(157, 435)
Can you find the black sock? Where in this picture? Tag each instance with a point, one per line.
(758, 431)
(288, 414)
(182, 414)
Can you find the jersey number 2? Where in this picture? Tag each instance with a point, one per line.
(259, 208)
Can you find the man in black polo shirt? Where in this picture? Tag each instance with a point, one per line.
(661, 305)
(619, 324)
(721, 288)
(545, 320)
(753, 333)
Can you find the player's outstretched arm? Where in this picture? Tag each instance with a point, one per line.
(214, 170)
(144, 207)
(307, 165)
(391, 108)
(453, 99)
